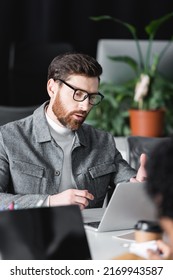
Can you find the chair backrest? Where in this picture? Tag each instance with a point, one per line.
(139, 144)
(118, 72)
(9, 113)
(28, 67)
(121, 144)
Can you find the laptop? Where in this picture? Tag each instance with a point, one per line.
(128, 204)
(52, 233)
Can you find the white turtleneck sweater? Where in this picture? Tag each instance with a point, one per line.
(64, 137)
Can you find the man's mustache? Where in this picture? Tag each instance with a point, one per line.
(80, 112)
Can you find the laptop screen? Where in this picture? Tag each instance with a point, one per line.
(43, 233)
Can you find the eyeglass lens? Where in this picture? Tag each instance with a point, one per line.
(80, 96)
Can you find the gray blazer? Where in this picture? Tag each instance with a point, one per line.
(31, 162)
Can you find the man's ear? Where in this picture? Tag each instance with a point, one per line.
(51, 87)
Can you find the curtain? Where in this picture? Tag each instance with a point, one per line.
(69, 21)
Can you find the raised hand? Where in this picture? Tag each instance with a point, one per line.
(141, 174)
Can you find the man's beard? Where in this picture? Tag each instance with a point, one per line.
(66, 119)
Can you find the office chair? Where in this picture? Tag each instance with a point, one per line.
(10, 113)
(139, 144)
(28, 67)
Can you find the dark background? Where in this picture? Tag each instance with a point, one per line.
(60, 20)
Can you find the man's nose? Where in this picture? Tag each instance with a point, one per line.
(84, 105)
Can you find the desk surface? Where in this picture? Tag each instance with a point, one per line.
(106, 245)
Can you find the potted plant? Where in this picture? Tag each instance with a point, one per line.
(151, 92)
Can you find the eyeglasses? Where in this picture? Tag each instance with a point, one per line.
(80, 95)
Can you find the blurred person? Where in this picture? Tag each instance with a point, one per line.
(160, 188)
(52, 157)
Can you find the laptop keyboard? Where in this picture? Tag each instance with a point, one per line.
(93, 224)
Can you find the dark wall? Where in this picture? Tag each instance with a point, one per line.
(60, 20)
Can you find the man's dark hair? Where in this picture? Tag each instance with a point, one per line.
(160, 178)
(73, 63)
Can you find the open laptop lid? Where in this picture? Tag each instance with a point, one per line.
(128, 204)
(43, 233)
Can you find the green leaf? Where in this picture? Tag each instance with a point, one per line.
(126, 59)
(130, 27)
(154, 25)
(99, 18)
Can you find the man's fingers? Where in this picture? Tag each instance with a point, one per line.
(82, 197)
(143, 159)
(84, 193)
(71, 196)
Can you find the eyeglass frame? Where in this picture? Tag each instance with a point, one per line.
(87, 94)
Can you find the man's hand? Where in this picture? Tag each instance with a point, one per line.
(71, 196)
(141, 174)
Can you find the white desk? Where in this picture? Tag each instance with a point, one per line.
(106, 245)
